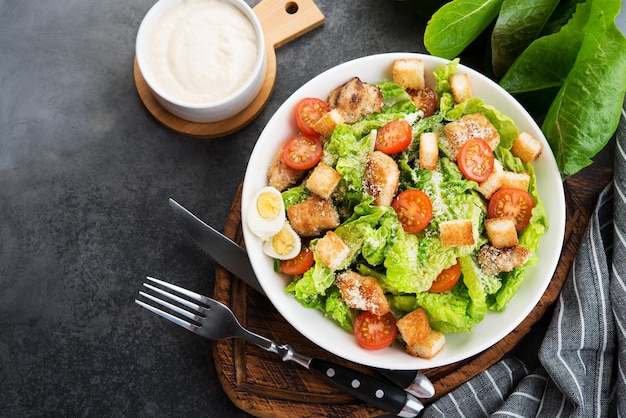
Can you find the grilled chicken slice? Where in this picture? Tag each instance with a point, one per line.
(356, 99)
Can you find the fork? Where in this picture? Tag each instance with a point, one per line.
(215, 321)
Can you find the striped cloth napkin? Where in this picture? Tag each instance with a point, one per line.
(582, 370)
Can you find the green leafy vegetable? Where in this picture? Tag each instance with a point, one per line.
(518, 24)
(566, 59)
(455, 25)
(530, 72)
(587, 109)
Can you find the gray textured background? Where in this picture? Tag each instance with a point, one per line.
(85, 173)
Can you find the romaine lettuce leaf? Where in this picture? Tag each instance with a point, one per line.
(347, 151)
(295, 195)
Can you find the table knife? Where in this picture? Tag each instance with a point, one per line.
(234, 258)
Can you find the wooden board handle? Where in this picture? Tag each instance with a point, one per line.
(284, 20)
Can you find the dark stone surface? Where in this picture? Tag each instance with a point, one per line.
(85, 174)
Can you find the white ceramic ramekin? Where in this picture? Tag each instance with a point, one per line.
(203, 112)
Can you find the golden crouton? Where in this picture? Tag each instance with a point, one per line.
(494, 260)
(281, 176)
(428, 347)
(381, 178)
(420, 339)
(328, 122)
(414, 326)
(332, 250)
(515, 180)
(409, 73)
(356, 99)
(458, 132)
(362, 292)
(323, 180)
(456, 233)
(501, 232)
(493, 182)
(461, 88)
(313, 216)
(526, 147)
(429, 150)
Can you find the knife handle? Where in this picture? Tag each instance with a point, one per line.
(378, 393)
(413, 381)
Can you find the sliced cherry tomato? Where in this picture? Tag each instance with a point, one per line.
(394, 136)
(299, 264)
(426, 100)
(375, 332)
(308, 112)
(302, 152)
(447, 279)
(414, 210)
(476, 159)
(512, 202)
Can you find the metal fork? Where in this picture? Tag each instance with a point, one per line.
(215, 321)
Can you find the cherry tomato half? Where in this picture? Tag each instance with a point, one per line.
(299, 264)
(302, 152)
(512, 202)
(447, 278)
(394, 136)
(414, 210)
(426, 100)
(375, 332)
(476, 159)
(308, 111)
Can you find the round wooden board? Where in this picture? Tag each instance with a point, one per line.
(261, 384)
(214, 129)
(281, 23)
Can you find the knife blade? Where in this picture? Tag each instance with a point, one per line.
(234, 258)
(224, 251)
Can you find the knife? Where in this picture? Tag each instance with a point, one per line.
(234, 258)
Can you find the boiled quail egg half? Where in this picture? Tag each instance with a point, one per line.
(284, 245)
(267, 213)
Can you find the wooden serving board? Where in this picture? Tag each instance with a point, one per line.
(261, 384)
(282, 21)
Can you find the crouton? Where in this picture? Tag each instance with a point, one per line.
(458, 132)
(428, 347)
(501, 232)
(456, 233)
(356, 99)
(414, 326)
(515, 180)
(429, 150)
(409, 73)
(420, 339)
(494, 260)
(281, 176)
(460, 86)
(332, 250)
(381, 178)
(493, 182)
(526, 147)
(362, 292)
(323, 180)
(313, 216)
(328, 122)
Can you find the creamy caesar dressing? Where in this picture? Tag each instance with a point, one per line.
(202, 51)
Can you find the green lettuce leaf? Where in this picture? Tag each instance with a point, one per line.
(456, 24)
(517, 25)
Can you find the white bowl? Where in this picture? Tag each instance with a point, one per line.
(216, 109)
(326, 333)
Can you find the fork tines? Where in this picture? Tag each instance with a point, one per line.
(196, 316)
